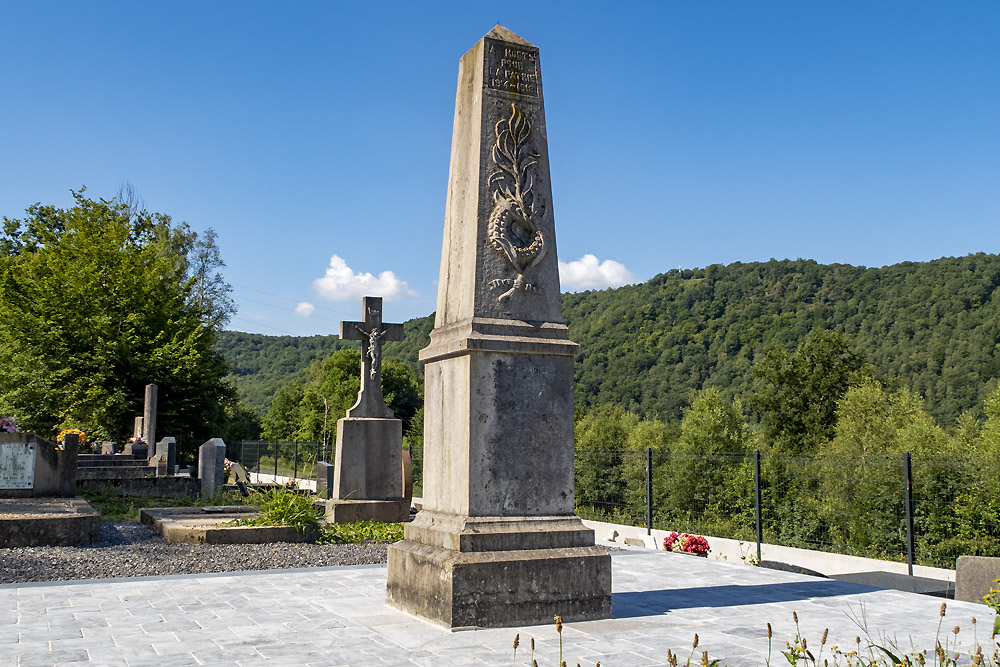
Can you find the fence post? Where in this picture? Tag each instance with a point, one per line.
(295, 465)
(649, 490)
(756, 484)
(275, 461)
(908, 498)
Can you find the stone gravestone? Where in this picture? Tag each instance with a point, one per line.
(367, 478)
(136, 434)
(212, 467)
(149, 418)
(38, 506)
(497, 542)
(324, 480)
(167, 448)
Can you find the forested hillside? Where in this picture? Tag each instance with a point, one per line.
(262, 364)
(648, 348)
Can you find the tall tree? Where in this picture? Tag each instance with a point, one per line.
(97, 301)
(797, 393)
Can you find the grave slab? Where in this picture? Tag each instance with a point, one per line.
(208, 525)
(54, 522)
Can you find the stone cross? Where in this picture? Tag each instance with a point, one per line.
(372, 333)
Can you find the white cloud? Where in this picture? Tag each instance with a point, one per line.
(305, 309)
(342, 283)
(590, 273)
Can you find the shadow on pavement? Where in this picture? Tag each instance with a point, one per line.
(648, 603)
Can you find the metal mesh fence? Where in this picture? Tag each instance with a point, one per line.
(281, 459)
(859, 506)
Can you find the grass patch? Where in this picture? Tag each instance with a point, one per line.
(280, 506)
(360, 531)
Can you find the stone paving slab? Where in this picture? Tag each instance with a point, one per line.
(337, 616)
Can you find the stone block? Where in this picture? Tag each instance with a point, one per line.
(349, 511)
(53, 522)
(974, 575)
(462, 571)
(324, 480)
(211, 467)
(31, 466)
(369, 459)
(168, 447)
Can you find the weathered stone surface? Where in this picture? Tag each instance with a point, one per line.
(497, 542)
(211, 467)
(974, 576)
(149, 417)
(369, 460)
(324, 480)
(372, 333)
(499, 588)
(349, 511)
(42, 468)
(368, 472)
(34, 522)
(209, 525)
(168, 447)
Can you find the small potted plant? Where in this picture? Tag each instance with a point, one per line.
(686, 544)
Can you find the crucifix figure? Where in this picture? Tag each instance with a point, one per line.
(372, 332)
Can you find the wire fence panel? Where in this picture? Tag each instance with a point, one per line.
(849, 505)
(282, 459)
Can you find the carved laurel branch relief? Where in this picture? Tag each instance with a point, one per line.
(513, 229)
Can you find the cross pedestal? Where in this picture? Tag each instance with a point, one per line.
(368, 469)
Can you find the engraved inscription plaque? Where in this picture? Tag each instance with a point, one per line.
(17, 465)
(511, 67)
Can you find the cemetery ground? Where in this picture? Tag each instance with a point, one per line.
(334, 616)
(127, 548)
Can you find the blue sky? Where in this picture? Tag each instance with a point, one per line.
(314, 137)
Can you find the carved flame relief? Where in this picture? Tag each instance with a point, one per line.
(513, 229)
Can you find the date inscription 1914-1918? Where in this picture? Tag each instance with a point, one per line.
(511, 68)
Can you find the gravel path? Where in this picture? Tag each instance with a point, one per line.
(130, 549)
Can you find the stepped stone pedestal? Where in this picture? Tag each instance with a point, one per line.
(498, 543)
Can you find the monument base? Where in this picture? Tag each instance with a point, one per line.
(498, 571)
(386, 511)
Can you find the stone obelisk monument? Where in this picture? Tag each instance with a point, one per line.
(497, 542)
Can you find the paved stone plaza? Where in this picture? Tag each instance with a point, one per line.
(337, 616)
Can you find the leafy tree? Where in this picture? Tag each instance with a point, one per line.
(310, 410)
(860, 496)
(97, 302)
(798, 393)
(282, 420)
(714, 428)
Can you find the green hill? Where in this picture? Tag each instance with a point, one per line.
(261, 364)
(933, 325)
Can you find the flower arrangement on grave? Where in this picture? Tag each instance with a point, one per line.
(9, 425)
(137, 440)
(228, 465)
(292, 483)
(66, 431)
(691, 544)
